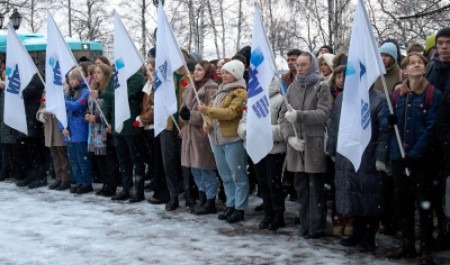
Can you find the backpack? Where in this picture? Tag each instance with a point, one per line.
(429, 93)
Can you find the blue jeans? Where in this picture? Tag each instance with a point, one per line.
(206, 181)
(80, 163)
(231, 161)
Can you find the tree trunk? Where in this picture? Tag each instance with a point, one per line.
(239, 25)
(213, 26)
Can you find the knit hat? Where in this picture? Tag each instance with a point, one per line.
(234, 67)
(430, 43)
(390, 49)
(445, 32)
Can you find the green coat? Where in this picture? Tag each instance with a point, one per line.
(135, 84)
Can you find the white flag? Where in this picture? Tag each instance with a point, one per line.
(20, 69)
(128, 60)
(59, 61)
(259, 139)
(168, 60)
(364, 66)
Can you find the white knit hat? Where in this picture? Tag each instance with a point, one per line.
(234, 67)
(328, 58)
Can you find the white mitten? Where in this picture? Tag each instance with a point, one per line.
(41, 117)
(242, 131)
(380, 166)
(138, 119)
(291, 114)
(296, 143)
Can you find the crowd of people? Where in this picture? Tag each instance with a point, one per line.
(201, 153)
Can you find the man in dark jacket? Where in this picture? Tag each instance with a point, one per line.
(28, 152)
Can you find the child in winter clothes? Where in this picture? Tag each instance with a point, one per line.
(76, 134)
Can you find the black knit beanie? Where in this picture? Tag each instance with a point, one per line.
(445, 32)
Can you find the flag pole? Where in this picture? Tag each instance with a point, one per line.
(397, 132)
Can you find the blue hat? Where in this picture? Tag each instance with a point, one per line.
(390, 49)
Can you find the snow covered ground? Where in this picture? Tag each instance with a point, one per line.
(52, 227)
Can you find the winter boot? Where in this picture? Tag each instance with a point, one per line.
(55, 185)
(368, 243)
(25, 182)
(200, 203)
(137, 191)
(207, 208)
(406, 250)
(173, 203)
(236, 216)
(226, 213)
(277, 222)
(38, 183)
(265, 222)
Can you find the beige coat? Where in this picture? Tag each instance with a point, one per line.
(313, 105)
(53, 137)
(196, 149)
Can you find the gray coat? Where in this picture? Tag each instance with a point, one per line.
(313, 105)
(360, 193)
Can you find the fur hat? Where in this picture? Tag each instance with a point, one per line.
(340, 59)
(444, 32)
(389, 49)
(327, 58)
(234, 67)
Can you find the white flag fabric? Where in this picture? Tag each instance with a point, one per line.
(168, 60)
(59, 61)
(364, 66)
(259, 139)
(128, 60)
(20, 69)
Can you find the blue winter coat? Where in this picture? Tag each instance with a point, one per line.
(76, 106)
(360, 193)
(416, 124)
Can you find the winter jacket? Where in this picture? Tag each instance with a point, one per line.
(195, 148)
(275, 102)
(392, 77)
(225, 110)
(134, 85)
(52, 134)
(360, 193)
(415, 123)
(438, 74)
(443, 126)
(313, 104)
(76, 106)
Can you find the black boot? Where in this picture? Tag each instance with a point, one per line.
(38, 183)
(123, 195)
(65, 185)
(137, 191)
(277, 222)
(25, 182)
(236, 216)
(207, 208)
(54, 185)
(200, 203)
(265, 223)
(226, 213)
(173, 203)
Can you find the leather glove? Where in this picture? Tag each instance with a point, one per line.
(291, 114)
(392, 119)
(41, 117)
(380, 166)
(185, 113)
(297, 144)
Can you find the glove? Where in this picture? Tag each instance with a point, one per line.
(41, 117)
(392, 119)
(380, 166)
(291, 114)
(297, 144)
(242, 131)
(185, 113)
(333, 158)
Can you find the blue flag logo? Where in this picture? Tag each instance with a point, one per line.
(57, 77)
(14, 80)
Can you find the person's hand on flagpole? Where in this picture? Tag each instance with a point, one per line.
(291, 114)
(41, 116)
(202, 107)
(109, 129)
(93, 94)
(381, 166)
(206, 128)
(66, 133)
(296, 143)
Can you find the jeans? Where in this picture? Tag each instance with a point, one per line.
(231, 161)
(206, 181)
(80, 163)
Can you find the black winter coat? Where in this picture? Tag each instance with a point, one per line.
(360, 193)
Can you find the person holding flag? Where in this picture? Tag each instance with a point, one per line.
(222, 119)
(302, 124)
